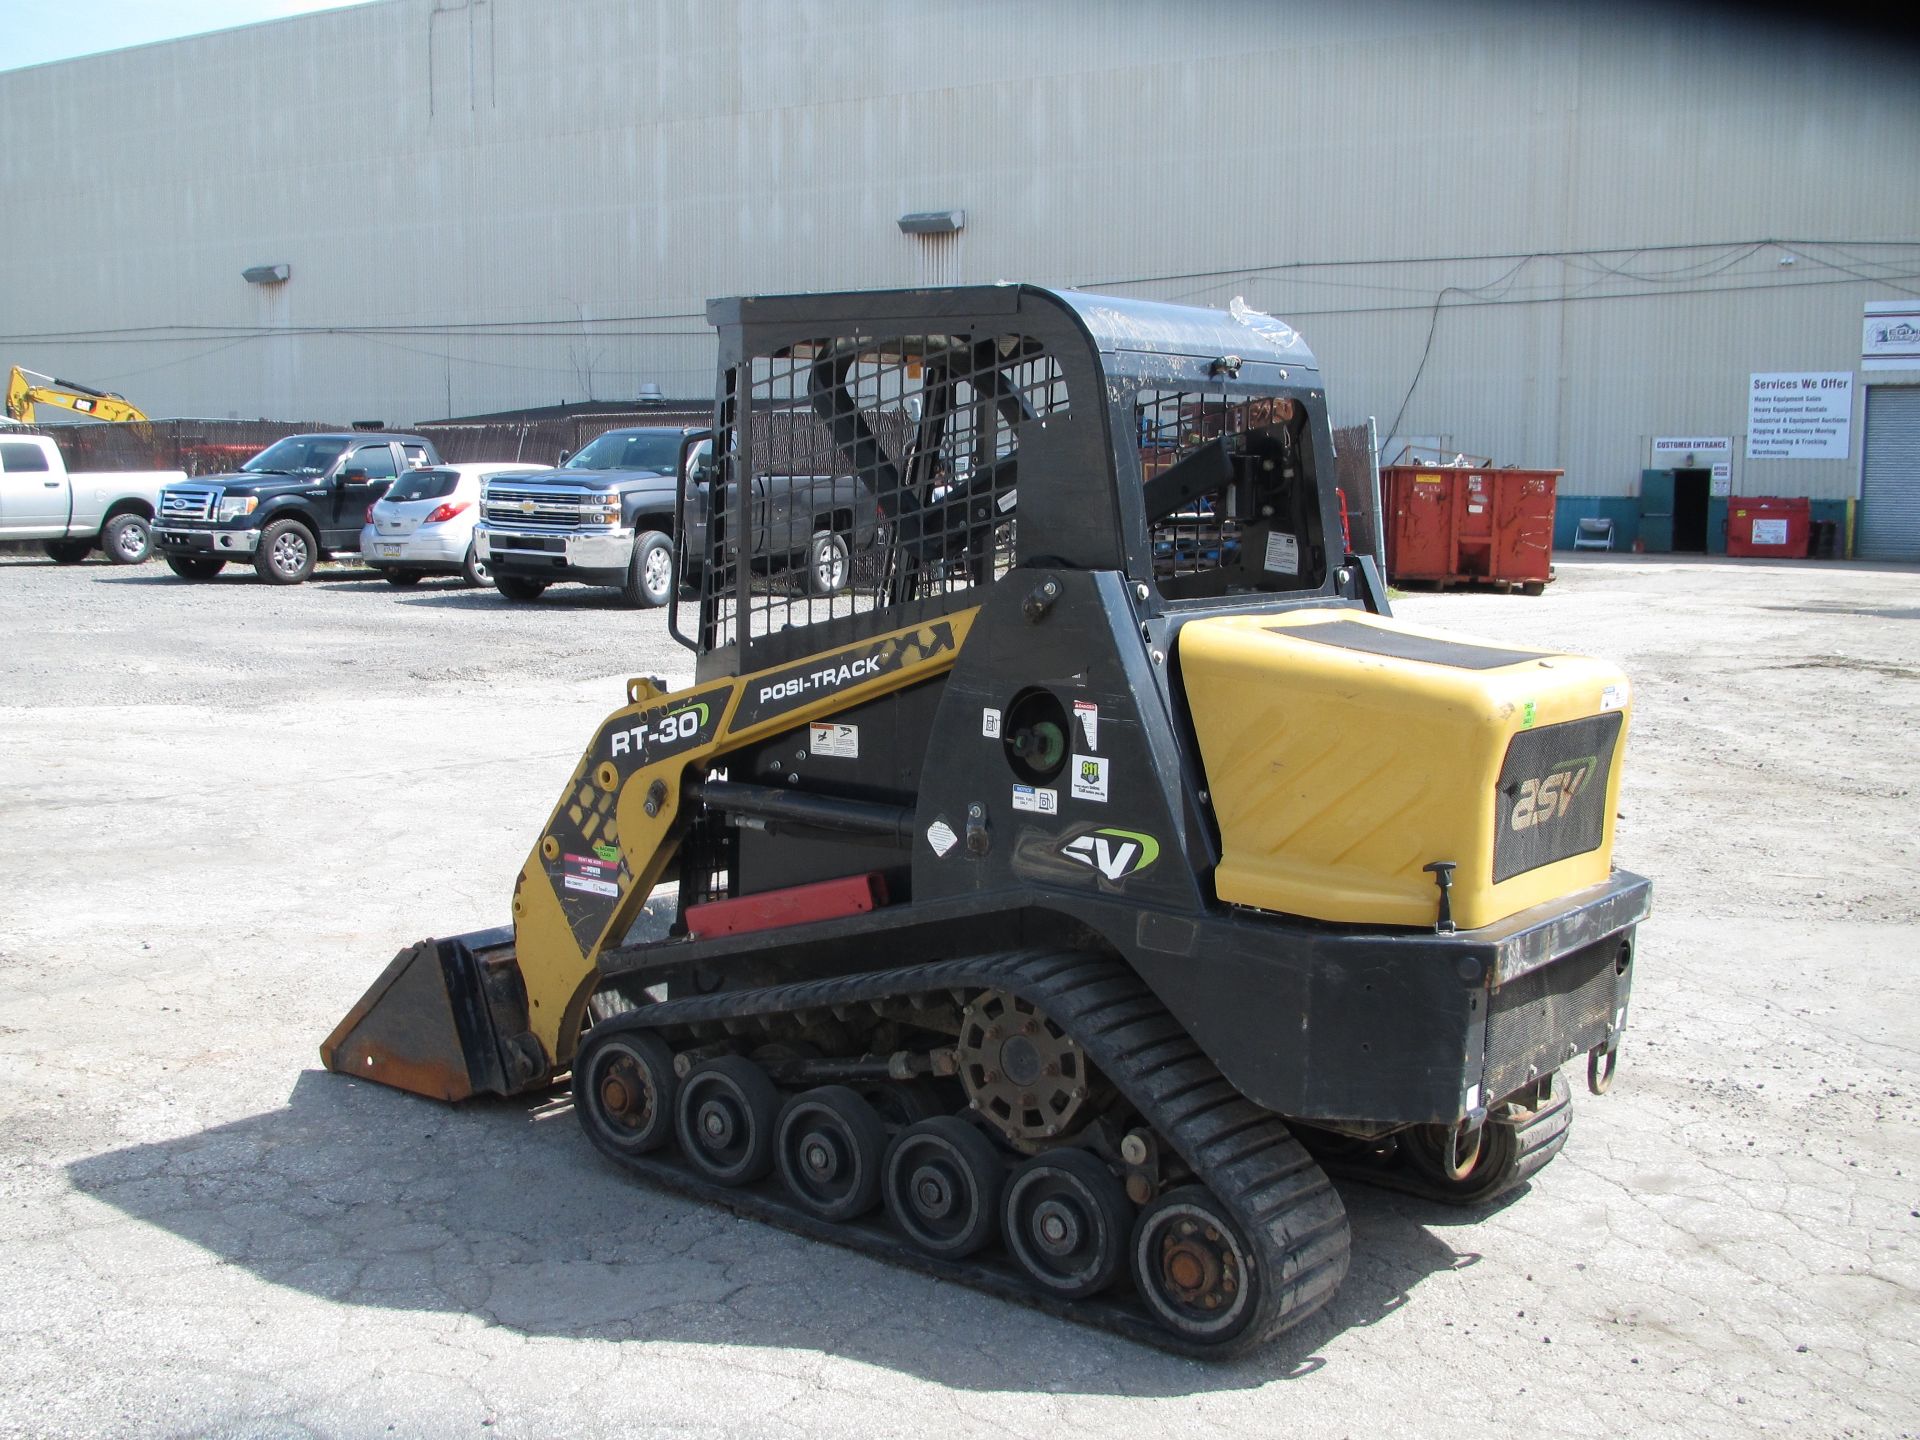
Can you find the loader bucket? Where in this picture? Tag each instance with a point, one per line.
(446, 1019)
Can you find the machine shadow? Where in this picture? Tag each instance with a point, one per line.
(364, 1196)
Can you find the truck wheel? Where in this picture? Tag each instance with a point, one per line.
(401, 579)
(286, 553)
(516, 587)
(829, 563)
(67, 552)
(473, 570)
(650, 574)
(127, 540)
(187, 567)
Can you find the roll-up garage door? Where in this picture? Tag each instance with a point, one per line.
(1889, 527)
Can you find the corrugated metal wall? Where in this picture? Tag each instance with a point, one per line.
(506, 202)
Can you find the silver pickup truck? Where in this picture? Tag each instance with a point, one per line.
(73, 514)
(605, 517)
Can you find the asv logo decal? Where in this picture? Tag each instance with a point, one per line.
(1116, 854)
(1546, 799)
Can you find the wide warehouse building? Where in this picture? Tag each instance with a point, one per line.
(1674, 254)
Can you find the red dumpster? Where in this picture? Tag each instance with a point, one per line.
(1450, 525)
(1775, 526)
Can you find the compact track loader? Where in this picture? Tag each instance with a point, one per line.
(1062, 901)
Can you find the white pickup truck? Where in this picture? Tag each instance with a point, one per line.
(72, 514)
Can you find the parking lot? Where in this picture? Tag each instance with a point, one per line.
(224, 806)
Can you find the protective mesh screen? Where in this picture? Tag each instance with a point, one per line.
(855, 472)
(1230, 493)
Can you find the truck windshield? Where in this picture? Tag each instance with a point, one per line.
(296, 455)
(630, 450)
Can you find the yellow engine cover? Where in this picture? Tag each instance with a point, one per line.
(1344, 753)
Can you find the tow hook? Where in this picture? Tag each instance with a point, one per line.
(1463, 1144)
(1602, 1061)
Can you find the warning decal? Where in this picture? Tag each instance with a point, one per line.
(831, 738)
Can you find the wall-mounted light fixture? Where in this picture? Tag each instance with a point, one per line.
(266, 274)
(933, 222)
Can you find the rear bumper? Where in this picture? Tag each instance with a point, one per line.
(1400, 1027)
(424, 549)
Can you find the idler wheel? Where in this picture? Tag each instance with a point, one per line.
(1194, 1268)
(726, 1117)
(1067, 1222)
(624, 1090)
(942, 1186)
(829, 1146)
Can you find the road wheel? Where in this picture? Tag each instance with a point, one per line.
(650, 574)
(400, 579)
(187, 567)
(829, 563)
(127, 540)
(1067, 1222)
(725, 1118)
(473, 570)
(942, 1186)
(829, 1146)
(67, 552)
(516, 587)
(286, 554)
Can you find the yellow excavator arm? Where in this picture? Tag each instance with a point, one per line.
(26, 390)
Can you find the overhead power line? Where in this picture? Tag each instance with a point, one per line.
(573, 327)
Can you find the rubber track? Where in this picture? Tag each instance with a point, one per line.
(1285, 1205)
(1538, 1136)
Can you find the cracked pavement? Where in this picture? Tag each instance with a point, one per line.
(224, 807)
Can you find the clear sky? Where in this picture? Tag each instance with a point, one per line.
(35, 31)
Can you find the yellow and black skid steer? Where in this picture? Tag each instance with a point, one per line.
(1064, 897)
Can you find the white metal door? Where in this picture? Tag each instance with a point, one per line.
(1889, 526)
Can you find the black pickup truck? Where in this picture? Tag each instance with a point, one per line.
(301, 500)
(605, 517)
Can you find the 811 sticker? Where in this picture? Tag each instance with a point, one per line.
(1090, 778)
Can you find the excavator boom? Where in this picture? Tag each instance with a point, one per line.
(27, 390)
